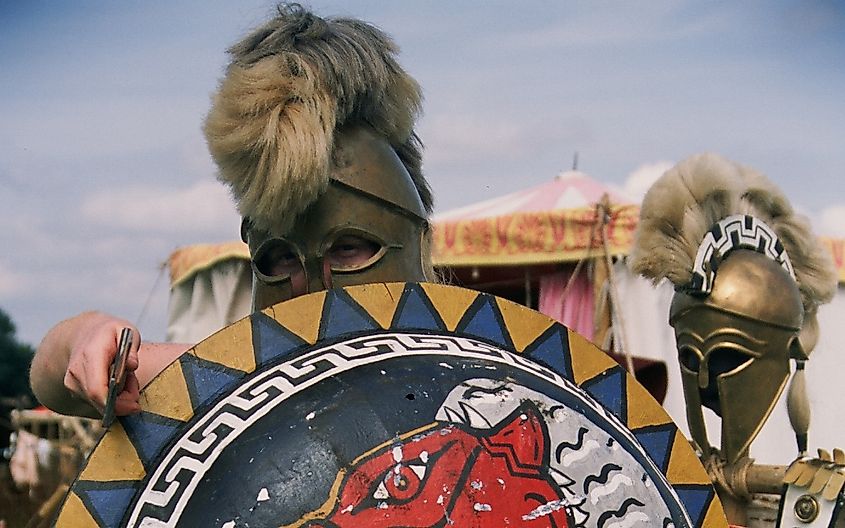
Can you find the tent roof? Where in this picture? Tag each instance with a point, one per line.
(187, 261)
(837, 250)
(556, 221)
(568, 190)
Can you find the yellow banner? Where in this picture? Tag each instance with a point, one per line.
(532, 238)
(837, 250)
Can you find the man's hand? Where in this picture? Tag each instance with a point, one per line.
(70, 371)
(91, 354)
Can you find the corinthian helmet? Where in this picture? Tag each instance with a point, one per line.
(749, 277)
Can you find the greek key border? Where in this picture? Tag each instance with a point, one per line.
(735, 232)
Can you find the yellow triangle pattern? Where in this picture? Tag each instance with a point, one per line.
(168, 394)
(373, 299)
(451, 303)
(232, 348)
(684, 466)
(524, 326)
(301, 315)
(587, 360)
(643, 409)
(74, 514)
(114, 459)
(715, 516)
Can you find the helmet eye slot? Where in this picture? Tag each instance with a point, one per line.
(277, 259)
(723, 360)
(352, 251)
(689, 358)
(348, 250)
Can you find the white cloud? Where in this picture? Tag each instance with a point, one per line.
(641, 178)
(203, 208)
(831, 221)
(462, 136)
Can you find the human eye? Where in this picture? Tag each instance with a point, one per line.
(277, 259)
(352, 252)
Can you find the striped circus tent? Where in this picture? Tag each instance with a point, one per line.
(550, 247)
(549, 223)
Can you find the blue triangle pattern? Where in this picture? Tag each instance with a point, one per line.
(148, 433)
(657, 442)
(552, 350)
(485, 322)
(608, 389)
(696, 500)
(414, 312)
(206, 379)
(270, 340)
(108, 504)
(342, 315)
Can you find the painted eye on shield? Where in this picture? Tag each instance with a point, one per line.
(394, 486)
(400, 483)
(352, 252)
(277, 259)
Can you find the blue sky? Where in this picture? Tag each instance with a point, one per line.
(103, 170)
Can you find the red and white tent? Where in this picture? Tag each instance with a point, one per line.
(550, 223)
(524, 245)
(568, 190)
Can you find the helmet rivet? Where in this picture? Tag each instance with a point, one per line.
(806, 508)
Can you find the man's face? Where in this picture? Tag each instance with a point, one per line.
(346, 237)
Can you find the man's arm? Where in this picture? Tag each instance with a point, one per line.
(70, 369)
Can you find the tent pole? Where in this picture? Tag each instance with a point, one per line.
(618, 325)
(601, 315)
(528, 296)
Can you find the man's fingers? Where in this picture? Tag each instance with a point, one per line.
(127, 400)
(79, 385)
(131, 387)
(93, 363)
(132, 361)
(97, 394)
(126, 407)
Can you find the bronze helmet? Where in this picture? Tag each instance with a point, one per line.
(734, 346)
(749, 277)
(312, 128)
(368, 226)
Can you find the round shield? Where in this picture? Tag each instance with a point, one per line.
(394, 405)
